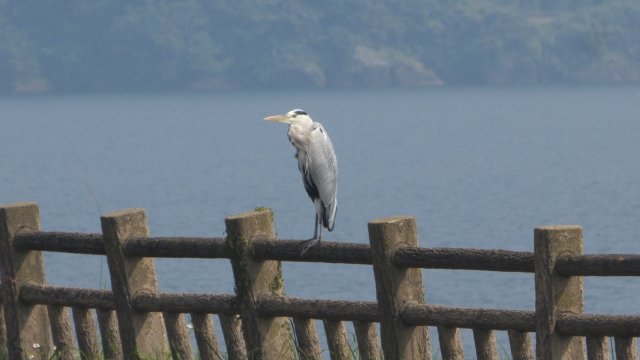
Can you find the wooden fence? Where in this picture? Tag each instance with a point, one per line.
(137, 321)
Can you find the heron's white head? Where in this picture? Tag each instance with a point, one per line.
(296, 116)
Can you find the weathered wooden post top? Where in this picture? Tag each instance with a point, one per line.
(397, 287)
(141, 334)
(28, 330)
(268, 338)
(555, 293)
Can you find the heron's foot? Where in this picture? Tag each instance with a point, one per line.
(309, 243)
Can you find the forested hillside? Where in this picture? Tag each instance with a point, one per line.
(151, 45)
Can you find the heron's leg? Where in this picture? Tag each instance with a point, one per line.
(315, 239)
(320, 237)
(315, 231)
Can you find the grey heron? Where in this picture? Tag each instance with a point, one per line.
(317, 164)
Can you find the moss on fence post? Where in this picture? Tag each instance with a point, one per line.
(266, 338)
(28, 330)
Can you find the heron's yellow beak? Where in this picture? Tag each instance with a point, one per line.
(276, 118)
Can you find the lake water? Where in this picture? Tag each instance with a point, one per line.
(477, 167)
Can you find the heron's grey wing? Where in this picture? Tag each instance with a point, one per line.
(323, 168)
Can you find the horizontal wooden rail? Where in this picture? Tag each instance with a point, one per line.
(336, 310)
(459, 317)
(464, 259)
(33, 293)
(327, 252)
(599, 265)
(599, 325)
(177, 247)
(67, 242)
(184, 303)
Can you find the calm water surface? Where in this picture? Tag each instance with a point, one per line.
(477, 167)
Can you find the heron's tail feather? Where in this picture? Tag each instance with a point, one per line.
(329, 216)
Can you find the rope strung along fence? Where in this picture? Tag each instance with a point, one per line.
(137, 321)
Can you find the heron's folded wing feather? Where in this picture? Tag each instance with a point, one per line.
(323, 167)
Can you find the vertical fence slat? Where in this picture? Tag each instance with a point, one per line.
(269, 338)
(87, 334)
(368, 342)
(337, 340)
(307, 336)
(485, 342)
(556, 293)
(521, 346)
(141, 334)
(178, 336)
(206, 338)
(61, 332)
(626, 348)
(109, 334)
(395, 287)
(26, 324)
(450, 343)
(3, 329)
(597, 348)
(232, 332)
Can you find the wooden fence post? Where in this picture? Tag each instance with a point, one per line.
(3, 329)
(368, 342)
(485, 342)
(27, 326)
(266, 338)
(205, 335)
(62, 333)
(337, 340)
(86, 331)
(232, 333)
(141, 334)
(111, 345)
(178, 336)
(396, 287)
(555, 293)
(307, 336)
(520, 343)
(626, 348)
(597, 348)
(450, 343)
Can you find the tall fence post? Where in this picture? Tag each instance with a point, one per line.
(396, 287)
(555, 293)
(266, 338)
(141, 334)
(27, 326)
